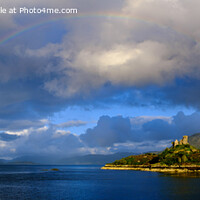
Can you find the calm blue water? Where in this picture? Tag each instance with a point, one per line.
(92, 183)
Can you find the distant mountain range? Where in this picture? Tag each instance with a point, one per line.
(194, 140)
(97, 159)
(91, 159)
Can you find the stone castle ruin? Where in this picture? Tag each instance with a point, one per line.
(181, 142)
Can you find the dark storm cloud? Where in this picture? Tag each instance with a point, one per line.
(113, 130)
(179, 125)
(22, 85)
(109, 130)
(159, 129)
(85, 63)
(183, 92)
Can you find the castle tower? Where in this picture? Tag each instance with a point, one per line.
(185, 139)
(176, 143)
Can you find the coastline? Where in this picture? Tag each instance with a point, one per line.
(156, 168)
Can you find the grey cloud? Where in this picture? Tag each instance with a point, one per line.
(71, 124)
(159, 129)
(175, 14)
(8, 137)
(187, 124)
(180, 125)
(16, 125)
(97, 61)
(111, 134)
(140, 120)
(140, 147)
(118, 130)
(109, 130)
(135, 61)
(48, 142)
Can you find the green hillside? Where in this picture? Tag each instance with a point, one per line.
(180, 154)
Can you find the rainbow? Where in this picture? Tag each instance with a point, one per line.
(36, 25)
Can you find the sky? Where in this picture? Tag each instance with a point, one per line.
(117, 76)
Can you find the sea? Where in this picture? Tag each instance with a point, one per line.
(37, 182)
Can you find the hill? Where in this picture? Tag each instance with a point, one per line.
(180, 154)
(194, 140)
(181, 157)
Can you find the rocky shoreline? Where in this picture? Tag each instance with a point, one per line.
(156, 168)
